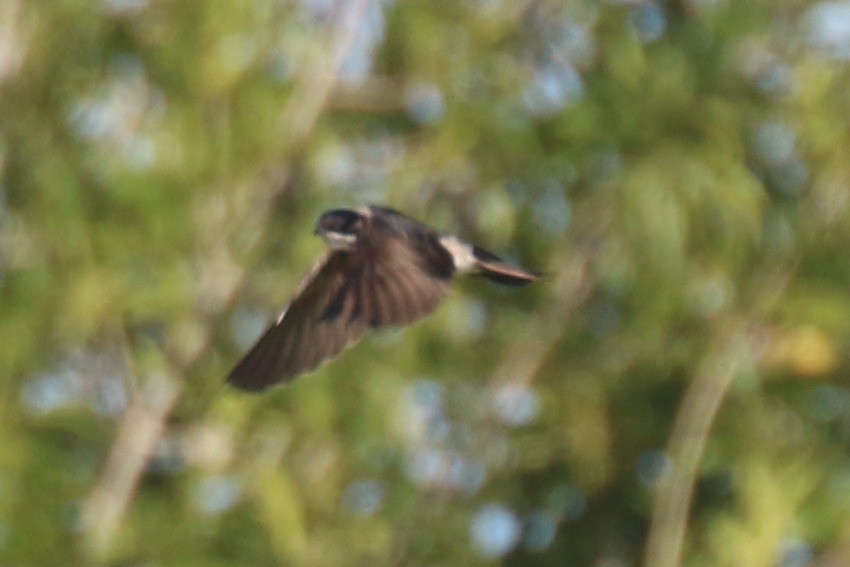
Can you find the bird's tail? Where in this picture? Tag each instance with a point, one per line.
(493, 268)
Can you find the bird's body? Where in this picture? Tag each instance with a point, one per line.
(383, 269)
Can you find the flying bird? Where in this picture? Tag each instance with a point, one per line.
(382, 269)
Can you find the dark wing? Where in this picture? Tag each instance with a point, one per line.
(310, 330)
(382, 281)
(397, 285)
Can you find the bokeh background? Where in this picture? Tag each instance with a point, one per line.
(674, 391)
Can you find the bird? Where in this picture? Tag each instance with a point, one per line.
(382, 269)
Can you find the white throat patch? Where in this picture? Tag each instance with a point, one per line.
(339, 241)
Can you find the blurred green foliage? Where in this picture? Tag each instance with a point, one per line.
(673, 391)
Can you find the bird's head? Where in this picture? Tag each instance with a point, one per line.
(339, 228)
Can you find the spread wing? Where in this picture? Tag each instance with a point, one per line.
(303, 336)
(382, 281)
(396, 286)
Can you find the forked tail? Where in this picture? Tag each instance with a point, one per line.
(493, 268)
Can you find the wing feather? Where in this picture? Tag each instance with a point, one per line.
(402, 289)
(302, 338)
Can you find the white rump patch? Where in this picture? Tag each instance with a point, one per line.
(462, 255)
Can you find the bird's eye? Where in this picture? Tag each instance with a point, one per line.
(341, 221)
(351, 224)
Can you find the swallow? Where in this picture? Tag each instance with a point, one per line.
(382, 269)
